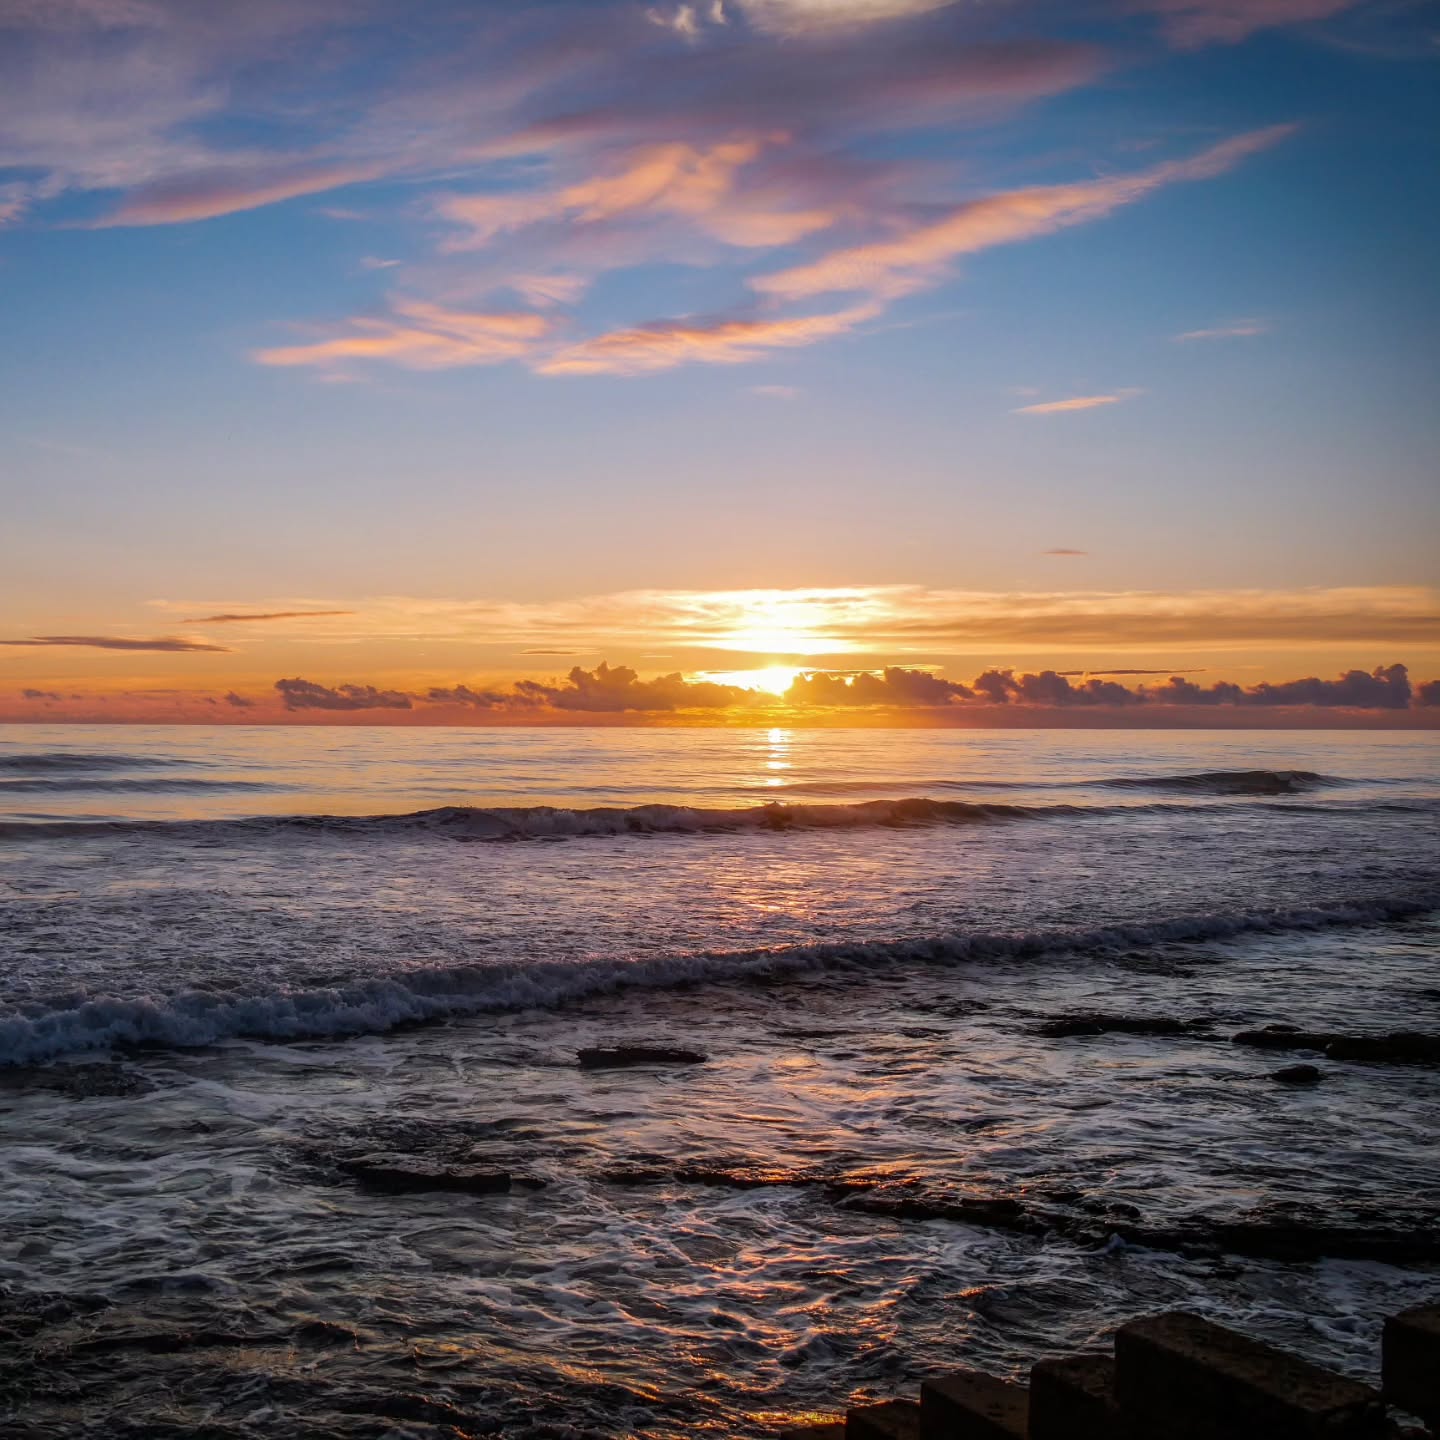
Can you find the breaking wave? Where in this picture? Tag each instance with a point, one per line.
(371, 1006)
(1231, 782)
(475, 823)
(1205, 782)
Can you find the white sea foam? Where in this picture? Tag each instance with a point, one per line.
(376, 1005)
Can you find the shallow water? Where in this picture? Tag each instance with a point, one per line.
(867, 990)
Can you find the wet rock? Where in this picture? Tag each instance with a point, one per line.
(25, 1313)
(614, 1057)
(325, 1333)
(77, 1082)
(999, 1212)
(1399, 1047)
(1395, 1047)
(735, 1175)
(405, 1174)
(1064, 1026)
(1298, 1075)
(1396, 1242)
(1283, 1037)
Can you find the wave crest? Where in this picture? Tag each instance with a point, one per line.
(371, 1006)
(41, 762)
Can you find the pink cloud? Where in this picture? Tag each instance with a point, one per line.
(664, 344)
(422, 336)
(697, 183)
(921, 256)
(1061, 407)
(227, 192)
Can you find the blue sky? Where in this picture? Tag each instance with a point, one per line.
(368, 306)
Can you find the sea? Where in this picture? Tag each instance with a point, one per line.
(295, 1139)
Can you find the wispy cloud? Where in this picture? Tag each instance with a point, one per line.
(720, 340)
(212, 193)
(422, 336)
(919, 257)
(1234, 330)
(168, 643)
(905, 619)
(1063, 550)
(239, 618)
(1062, 407)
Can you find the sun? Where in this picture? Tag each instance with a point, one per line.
(772, 679)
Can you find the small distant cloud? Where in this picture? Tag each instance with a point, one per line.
(240, 702)
(1063, 550)
(374, 262)
(1235, 330)
(776, 392)
(1075, 402)
(301, 694)
(41, 695)
(556, 652)
(167, 643)
(238, 619)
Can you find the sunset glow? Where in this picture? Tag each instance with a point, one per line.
(361, 370)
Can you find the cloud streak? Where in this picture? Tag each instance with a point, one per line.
(1235, 330)
(1064, 407)
(243, 619)
(168, 644)
(901, 619)
(919, 257)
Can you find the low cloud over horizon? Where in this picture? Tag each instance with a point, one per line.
(611, 689)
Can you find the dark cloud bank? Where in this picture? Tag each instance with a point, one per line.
(615, 689)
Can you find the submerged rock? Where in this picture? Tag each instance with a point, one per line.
(995, 1212)
(614, 1057)
(403, 1174)
(1064, 1026)
(1396, 1047)
(1298, 1075)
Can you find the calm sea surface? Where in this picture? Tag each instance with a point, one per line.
(233, 960)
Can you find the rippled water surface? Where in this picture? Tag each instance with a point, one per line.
(215, 944)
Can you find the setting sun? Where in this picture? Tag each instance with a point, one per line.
(773, 679)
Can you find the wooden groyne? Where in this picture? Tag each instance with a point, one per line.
(1173, 1377)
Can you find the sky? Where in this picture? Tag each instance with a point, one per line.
(417, 361)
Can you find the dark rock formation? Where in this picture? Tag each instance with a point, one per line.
(404, 1174)
(614, 1057)
(1395, 1047)
(1298, 1075)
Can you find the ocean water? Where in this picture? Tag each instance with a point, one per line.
(233, 960)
